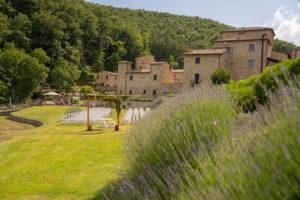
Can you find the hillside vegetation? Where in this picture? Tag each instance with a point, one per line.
(199, 145)
(66, 42)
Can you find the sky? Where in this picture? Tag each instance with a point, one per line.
(282, 15)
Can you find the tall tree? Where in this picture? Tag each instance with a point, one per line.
(64, 76)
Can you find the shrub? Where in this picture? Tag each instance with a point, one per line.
(191, 151)
(220, 76)
(182, 127)
(264, 84)
(86, 90)
(170, 95)
(139, 99)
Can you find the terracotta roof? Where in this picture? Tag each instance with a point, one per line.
(207, 51)
(139, 71)
(178, 70)
(158, 63)
(124, 61)
(110, 73)
(147, 55)
(239, 39)
(250, 29)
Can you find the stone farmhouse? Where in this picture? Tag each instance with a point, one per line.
(148, 78)
(106, 81)
(244, 51)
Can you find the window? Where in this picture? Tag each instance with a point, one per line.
(131, 77)
(106, 77)
(251, 47)
(97, 76)
(154, 92)
(115, 78)
(197, 77)
(197, 60)
(232, 48)
(145, 91)
(130, 92)
(231, 63)
(155, 77)
(250, 63)
(120, 91)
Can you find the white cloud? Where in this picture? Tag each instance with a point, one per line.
(298, 5)
(286, 24)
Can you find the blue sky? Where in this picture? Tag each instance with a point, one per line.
(282, 15)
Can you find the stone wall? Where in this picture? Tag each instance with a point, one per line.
(6, 113)
(105, 80)
(279, 55)
(143, 82)
(24, 120)
(249, 34)
(207, 65)
(239, 55)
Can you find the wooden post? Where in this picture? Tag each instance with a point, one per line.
(118, 114)
(89, 128)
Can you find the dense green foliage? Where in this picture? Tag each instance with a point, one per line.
(255, 90)
(220, 76)
(21, 73)
(198, 147)
(82, 38)
(86, 90)
(284, 45)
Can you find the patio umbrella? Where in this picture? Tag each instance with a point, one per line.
(51, 94)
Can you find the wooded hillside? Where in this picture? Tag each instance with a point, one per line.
(74, 39)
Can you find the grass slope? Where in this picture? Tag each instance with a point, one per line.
(58, 161)
(10, 129)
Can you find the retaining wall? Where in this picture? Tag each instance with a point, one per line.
(22, 120)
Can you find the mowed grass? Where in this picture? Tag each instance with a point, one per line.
(58, 161)
(10, 129)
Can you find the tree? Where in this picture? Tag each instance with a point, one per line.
(220, 76)
(4, 26)
(98, 64)
(21, 73)
(20, 31)
(284, 46)
(41, 55)
(86, 75)
(64, 76)
(3, 92)
(48, 34)
(172, 62)
(86, 90)
(30, 75)
(118, 55)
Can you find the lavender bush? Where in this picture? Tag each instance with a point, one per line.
(196, 146)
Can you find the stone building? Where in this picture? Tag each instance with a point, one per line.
(148, 78)
(244, 51)
(106, 81)
(296, 53)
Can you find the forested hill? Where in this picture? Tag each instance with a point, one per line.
(71, 40)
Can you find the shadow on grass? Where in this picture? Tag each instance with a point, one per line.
(108, 189)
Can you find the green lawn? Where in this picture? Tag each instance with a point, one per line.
(57, 161)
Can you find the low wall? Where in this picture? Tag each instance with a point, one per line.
(25, 120)
(6, 113)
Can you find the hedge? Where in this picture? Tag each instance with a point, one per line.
(254, 90)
